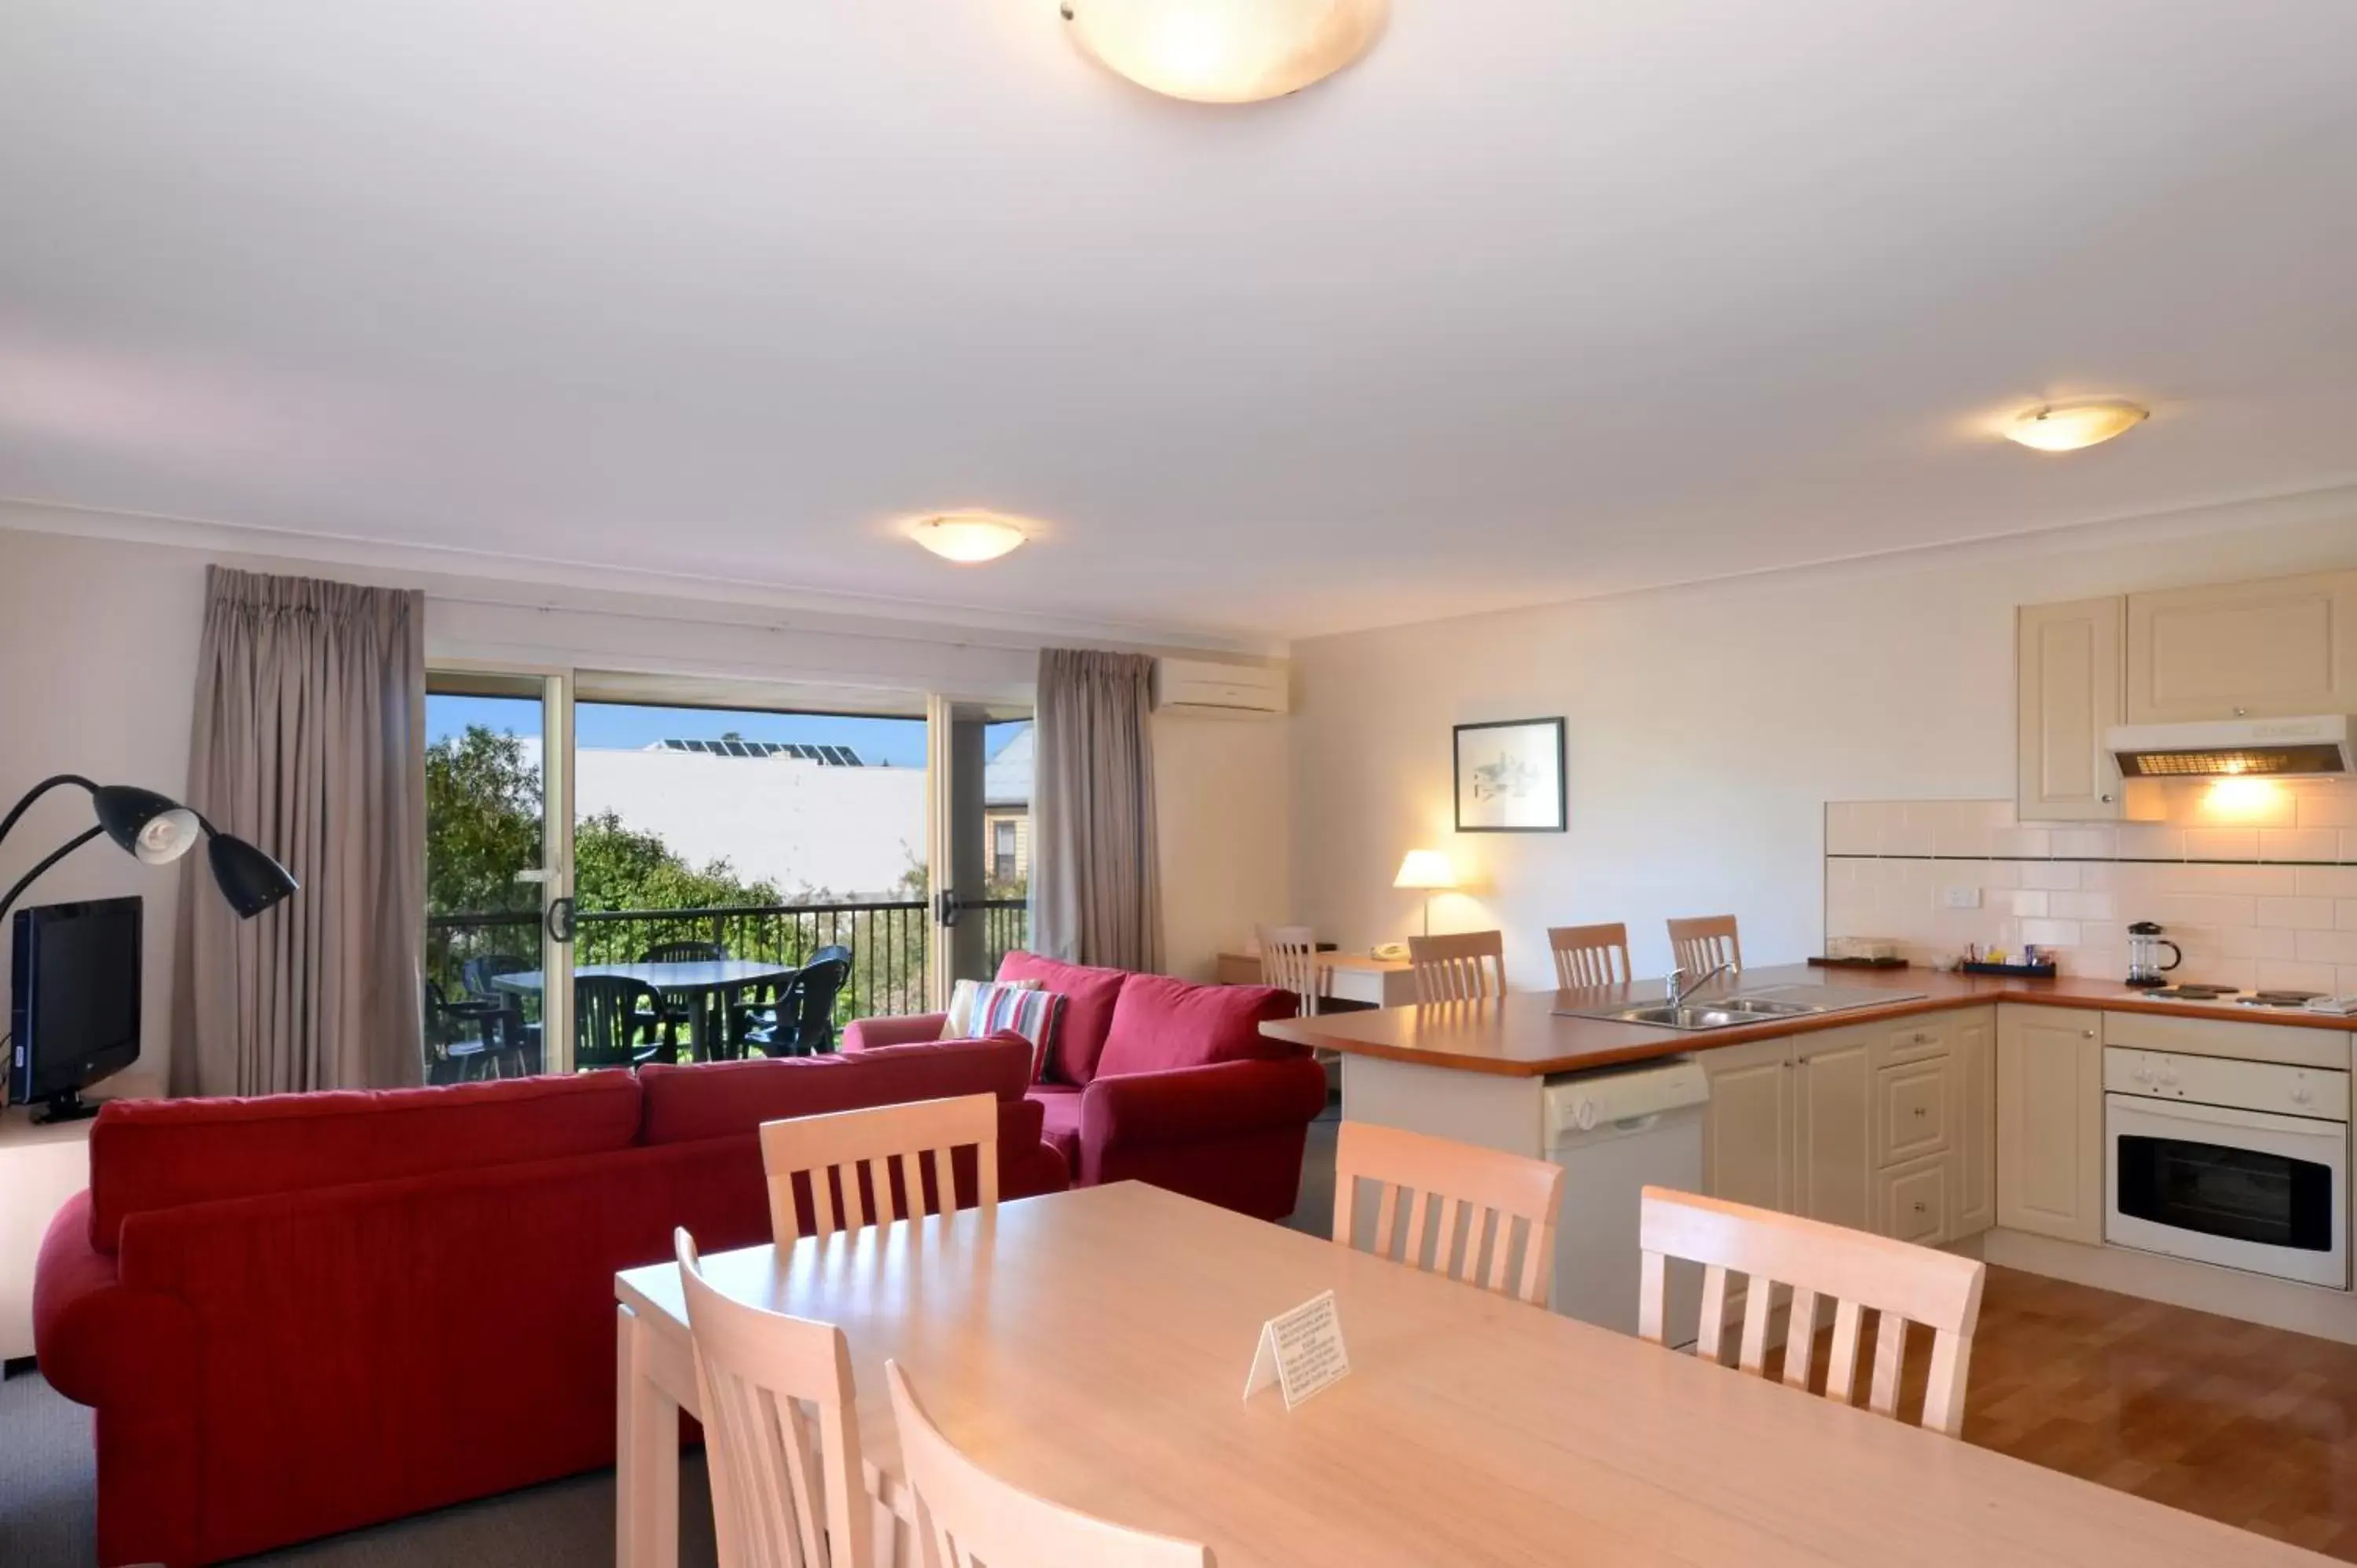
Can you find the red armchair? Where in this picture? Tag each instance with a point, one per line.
(301, 1315)
(1159, 1081)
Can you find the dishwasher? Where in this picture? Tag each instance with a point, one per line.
(1615, 1132)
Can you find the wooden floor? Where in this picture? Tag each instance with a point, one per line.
(2253, 1426)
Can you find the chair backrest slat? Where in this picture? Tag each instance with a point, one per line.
(978, 1517)
(1898, 1281)
(1288, 959)
(857, 1163)
(1589, 955)
(1443, 1187)
(782, 1494)
(1702, 943)
(1468, 966)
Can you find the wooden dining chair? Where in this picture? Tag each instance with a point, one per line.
(1702, 943)
(1469, 966)
(1289, 961)
(1856, 1270)
(789, 1486)
(1484, 1191)
(1589, 955)
(977, 1518)
(877, 1165)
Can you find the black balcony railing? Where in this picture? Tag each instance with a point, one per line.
(890, 942)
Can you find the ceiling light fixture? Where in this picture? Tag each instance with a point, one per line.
(1226, 51)
(2068, 426)
(969, 536)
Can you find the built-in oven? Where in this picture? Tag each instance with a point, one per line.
(2236, 1163)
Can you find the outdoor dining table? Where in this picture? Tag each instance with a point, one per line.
(710, 982)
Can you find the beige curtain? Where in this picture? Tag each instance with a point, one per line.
(308, 742)
(1095, 891)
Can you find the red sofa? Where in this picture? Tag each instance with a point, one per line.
(1155, 1079)
(299, 1315)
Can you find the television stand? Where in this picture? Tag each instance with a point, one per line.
(67, 1107)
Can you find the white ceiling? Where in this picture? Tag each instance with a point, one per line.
(1543, 298)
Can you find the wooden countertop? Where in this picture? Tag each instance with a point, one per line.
(1522, 1037)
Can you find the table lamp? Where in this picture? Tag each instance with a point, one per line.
(1428, 871)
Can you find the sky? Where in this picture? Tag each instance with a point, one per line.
(901, 743)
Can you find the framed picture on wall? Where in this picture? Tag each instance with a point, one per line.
(1510, 778)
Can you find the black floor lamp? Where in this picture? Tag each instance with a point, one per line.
(159, 830)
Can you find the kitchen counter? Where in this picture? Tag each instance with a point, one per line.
(1523, 1036)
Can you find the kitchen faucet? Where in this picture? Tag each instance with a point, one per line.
(1679, 990)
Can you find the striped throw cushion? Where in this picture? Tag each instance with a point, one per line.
(1022, 1010)
(961, 1022)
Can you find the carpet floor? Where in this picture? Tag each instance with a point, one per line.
(49, 1489)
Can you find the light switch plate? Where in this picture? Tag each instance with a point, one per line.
(1960, 897)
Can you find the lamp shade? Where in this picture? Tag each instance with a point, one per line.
(1226, 51)
(2068, 426)
(1426, 868)
(968, 537)
(249, 879)
(157, 829)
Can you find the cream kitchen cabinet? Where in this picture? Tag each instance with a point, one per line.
(1748, 1129)
(1971, 1101)
(1883, 1127)
(2068, 692)
(1833, 1127)
(2050, 1122)
(2275, 649)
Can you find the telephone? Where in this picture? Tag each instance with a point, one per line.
(1391, 952)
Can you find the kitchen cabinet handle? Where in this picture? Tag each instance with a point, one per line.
(1918, 1208)
(2086, 1034)
(1918, 1111)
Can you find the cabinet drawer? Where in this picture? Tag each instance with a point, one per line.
(1914, 1040)
(1914, 1201)
(1910, 1111)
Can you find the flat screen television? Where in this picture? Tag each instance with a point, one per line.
(74, 1011)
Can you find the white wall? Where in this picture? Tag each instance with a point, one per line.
(100, 619)
(97, 648)
(1222, 787)
(1709, 726)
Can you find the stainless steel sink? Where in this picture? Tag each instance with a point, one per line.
(1726, 1013)
(1765, 1005)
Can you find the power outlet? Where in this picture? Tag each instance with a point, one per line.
(1960, 897)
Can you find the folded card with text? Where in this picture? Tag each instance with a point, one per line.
(1301, 1351)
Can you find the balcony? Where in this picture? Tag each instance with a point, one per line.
(890, 942)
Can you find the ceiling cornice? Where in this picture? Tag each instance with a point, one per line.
(516, 577)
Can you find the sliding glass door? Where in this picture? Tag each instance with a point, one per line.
(981, 838)
(626, 868)
(498, 836)
(783, 844)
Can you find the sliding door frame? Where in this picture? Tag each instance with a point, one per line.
(555, 683)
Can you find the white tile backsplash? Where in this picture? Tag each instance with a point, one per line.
(2249, 898)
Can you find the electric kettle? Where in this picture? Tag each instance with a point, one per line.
(2144, 968)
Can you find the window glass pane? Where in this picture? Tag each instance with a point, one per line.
(483, 823)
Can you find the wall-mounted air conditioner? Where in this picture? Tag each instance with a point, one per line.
(1221, 691)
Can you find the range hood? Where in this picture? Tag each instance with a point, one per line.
(2233, 748)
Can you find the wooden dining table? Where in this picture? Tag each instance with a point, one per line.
(1093, 1346)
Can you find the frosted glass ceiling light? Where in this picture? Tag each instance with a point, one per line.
(1226, 51)
(2068, 426)
(969, 536)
